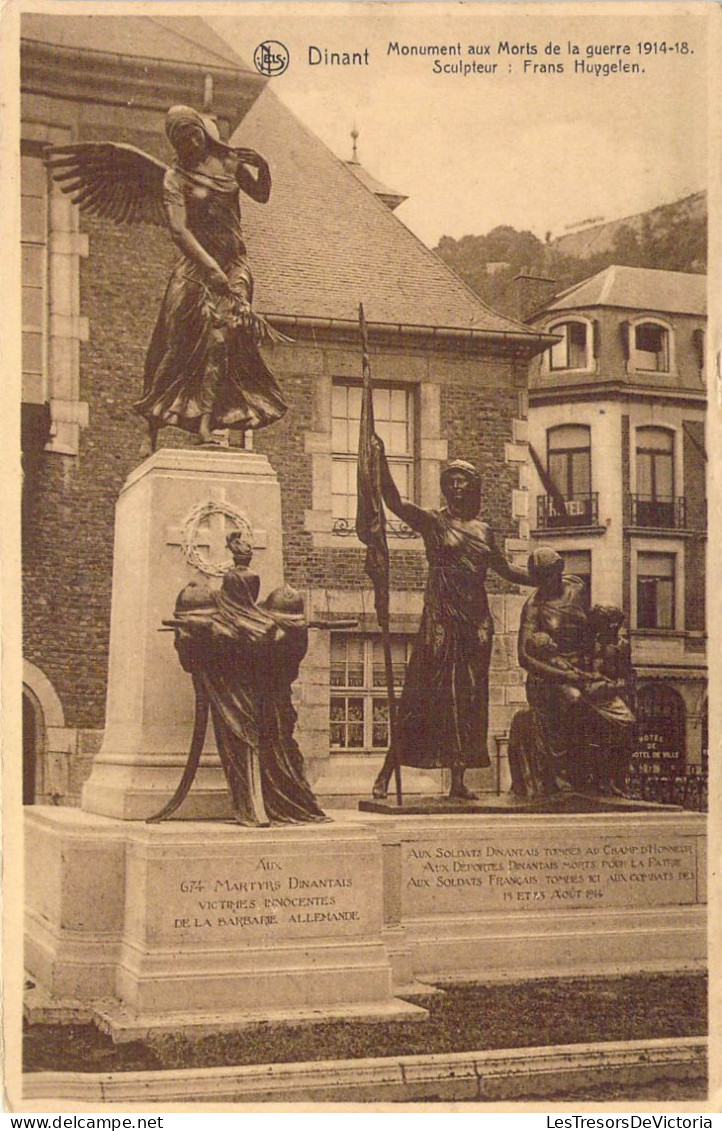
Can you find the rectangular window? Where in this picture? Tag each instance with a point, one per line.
(569, 464)
(359, 711)
(570, 459)
(651, 345)
(655, 501)
(571, 351)
(655, 475)
(394, 419)
(579, 562)
(34, 237)
(655, 590)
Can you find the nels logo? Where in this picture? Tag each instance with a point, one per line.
(271, 57)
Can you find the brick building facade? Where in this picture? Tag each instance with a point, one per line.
(451, 378)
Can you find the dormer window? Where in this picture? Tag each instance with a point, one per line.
(651, 347)
(572, 352)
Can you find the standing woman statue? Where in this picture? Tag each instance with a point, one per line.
(203, 369)
(443, 714)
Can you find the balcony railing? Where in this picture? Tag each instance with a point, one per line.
(660, 513)
(581, 510)
(346, 528)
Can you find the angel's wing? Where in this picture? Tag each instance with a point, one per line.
(111, 180)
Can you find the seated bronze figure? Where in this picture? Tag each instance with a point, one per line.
(577, 730)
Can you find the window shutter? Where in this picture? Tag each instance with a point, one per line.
(596, 338)
(624, 335)
(698, 344)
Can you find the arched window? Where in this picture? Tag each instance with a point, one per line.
(572, 352)
(651, 347)
(42, 711)
(660, 730)
(654, 502)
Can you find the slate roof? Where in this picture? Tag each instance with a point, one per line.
(182, 39)
(324, 242)
(637, 288)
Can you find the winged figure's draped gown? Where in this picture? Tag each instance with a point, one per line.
(444, 706)
(203, 356)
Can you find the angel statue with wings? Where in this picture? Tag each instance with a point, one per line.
(204, 368)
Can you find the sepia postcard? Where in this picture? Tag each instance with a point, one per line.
(360, 513)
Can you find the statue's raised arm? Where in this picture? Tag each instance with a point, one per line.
(257, 186)
(204, 369)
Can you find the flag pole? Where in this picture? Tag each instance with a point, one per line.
(556, 496)
(371, 529)
(386, 638)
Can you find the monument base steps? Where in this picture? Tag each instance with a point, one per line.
(575, 944)
(342, 780)
(484, 1076)
(134, 793)
(542, 973)
(123, 1025)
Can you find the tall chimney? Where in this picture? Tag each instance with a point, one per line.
(531, 293)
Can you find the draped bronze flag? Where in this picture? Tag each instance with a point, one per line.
(370, 516)
(556, 496)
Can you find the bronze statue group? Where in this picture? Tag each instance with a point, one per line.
(205, 371)
(577, 731)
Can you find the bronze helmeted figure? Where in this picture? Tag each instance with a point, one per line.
(203, 369)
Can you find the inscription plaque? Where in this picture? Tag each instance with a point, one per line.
(506, 873)
(268, 897)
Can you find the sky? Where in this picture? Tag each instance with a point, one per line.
(538, 151)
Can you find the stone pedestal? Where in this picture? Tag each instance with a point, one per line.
(196, 927)
(189, 925)
(149, 714)
(526, 895)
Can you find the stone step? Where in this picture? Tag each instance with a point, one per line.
(499, 1074)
